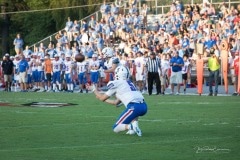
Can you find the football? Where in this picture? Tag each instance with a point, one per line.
(79, 58)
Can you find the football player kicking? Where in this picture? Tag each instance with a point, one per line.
(125, 92)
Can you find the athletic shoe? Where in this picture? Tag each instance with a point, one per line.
(210, 94)
(215, 94)
(184, 91)
(177, 93)
(136, 128)
(119, 104)
(235, 94)
(41, 90)
(130, 132)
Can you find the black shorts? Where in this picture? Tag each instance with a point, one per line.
(48, 76)
(184, 76)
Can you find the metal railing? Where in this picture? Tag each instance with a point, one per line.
(51, 38)
(155, 8)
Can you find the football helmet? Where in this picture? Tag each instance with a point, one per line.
(108, 52)
(121, 73)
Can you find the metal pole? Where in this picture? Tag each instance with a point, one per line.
(156, 7)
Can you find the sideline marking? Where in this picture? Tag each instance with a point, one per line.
(110, 145)
(48, 104)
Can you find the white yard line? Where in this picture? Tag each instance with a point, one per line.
(162, 141)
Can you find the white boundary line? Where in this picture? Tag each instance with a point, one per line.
(163, 141)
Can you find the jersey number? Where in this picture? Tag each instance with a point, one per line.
(131, 85)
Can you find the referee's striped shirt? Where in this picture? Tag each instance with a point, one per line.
(153, 64)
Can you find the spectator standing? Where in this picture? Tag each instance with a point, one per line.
(27, 51)
(92, 22)
(144, 12)
(104, 9)
(18, 43)
(68, 27)
(7, 70)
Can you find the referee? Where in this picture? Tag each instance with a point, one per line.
(153, 65)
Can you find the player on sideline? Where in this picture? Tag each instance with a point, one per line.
(125, 92)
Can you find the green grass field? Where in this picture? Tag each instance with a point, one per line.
(175, 128)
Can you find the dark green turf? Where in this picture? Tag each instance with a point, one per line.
(175, 127)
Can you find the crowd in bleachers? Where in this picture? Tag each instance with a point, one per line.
(180, 30)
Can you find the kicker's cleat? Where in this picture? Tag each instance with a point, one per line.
(130, 132)
(136, 128)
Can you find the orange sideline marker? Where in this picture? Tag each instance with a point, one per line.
(238, 89)
(200, 75)
(224, 59)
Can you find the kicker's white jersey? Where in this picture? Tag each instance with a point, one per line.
(124, 90)
(68, 66)
(56, 65)
(82, 66)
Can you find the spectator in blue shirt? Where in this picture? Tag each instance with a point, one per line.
(114, 9)
(185, 45)
(68, 27)
(98, 27)
(92, 22)
(18, 43)
(27, 51)
(104, 9)
(84, 26)
(100, 43)
(208, 44)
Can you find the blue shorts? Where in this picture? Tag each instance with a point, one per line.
(56, 77)
(40, 76)
(94, 77)
(29, 79)
(35, 76)
(82, 78)
(132, 111)
(68, 78)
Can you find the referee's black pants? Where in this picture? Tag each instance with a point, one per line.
(153, 76)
